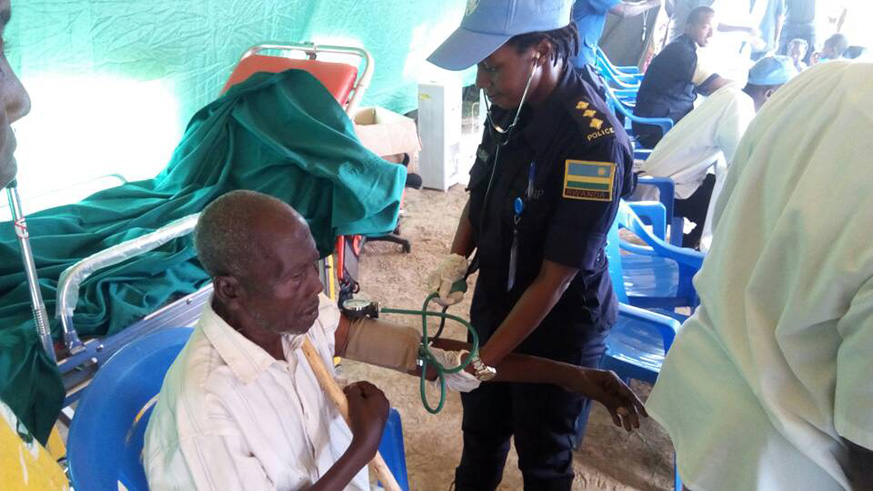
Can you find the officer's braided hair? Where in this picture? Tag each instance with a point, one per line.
(565, 41)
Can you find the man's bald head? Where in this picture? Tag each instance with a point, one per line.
(231, 229)
(262, 260)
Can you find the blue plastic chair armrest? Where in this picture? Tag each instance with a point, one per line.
(667, 327)
(627, 71)
(615, 103)
(666, 124)
(642, 153)
(636, 249)
(684, 256)
(666, 191)
(654, 213)
(623, 93)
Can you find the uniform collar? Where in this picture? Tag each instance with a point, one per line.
(245, 359)
(547, 119)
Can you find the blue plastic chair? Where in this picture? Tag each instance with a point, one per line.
(667, 196)
(626, 77)
(638, 343)
(658, 275)
(616, 105)
(107, 433)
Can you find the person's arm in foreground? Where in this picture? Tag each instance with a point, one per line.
(368, 412)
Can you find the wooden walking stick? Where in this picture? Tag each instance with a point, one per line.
(335, 393)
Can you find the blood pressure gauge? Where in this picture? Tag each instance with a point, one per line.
(357, 308)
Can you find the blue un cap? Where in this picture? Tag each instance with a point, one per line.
(772, 70)
(489, 24)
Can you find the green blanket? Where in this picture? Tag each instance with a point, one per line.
(280, 134)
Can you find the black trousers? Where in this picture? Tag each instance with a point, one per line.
(694, 209)
(542, 418)
(647, 135)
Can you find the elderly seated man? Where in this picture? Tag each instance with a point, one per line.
(241, 409)
(698, 151)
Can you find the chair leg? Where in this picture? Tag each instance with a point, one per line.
(677, 481)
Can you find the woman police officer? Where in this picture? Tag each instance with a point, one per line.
(544, 191)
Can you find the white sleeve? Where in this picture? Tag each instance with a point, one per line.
(733, 125)
(324, 337)
(853, 404)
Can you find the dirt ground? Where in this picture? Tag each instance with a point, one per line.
(609, 459)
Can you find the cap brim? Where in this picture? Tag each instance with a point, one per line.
(464, 49)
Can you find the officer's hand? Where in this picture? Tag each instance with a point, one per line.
(606, 388)
(452, 269)
(368, 412)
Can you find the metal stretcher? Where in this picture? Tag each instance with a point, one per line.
(106, 428)
(346, 82)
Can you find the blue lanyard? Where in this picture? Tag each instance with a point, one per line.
(518, 206)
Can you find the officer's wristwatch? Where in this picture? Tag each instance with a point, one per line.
(482, 371)
(355, 308)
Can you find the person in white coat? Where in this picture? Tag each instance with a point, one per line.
(769, 385)
(698, 151)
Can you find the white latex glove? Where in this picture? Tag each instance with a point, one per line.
(452, 269)
(461, 381)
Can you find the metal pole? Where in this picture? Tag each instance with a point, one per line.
(40, 316)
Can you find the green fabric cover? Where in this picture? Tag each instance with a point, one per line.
(282, 134)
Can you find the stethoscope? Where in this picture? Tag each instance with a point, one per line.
(502, 137)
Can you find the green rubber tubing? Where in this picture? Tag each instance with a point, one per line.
(424, 354)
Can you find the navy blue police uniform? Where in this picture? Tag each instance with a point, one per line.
(566, 165)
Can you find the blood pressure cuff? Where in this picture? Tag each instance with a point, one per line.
(383, 344)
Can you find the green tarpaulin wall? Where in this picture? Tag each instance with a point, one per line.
(195, 43)
(114, 82)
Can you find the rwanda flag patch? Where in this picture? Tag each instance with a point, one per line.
(587, 180)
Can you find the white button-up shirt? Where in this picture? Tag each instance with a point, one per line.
(230, 416)
(775, 368)
(704, 140)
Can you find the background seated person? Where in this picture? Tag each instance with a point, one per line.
(675, 77)
(697, 152)
(833, 49)
(797, 50)
(240, 407)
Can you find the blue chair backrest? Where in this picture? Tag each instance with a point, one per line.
(106, 435)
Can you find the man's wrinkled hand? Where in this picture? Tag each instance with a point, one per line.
(368, 413)
(623, 405)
